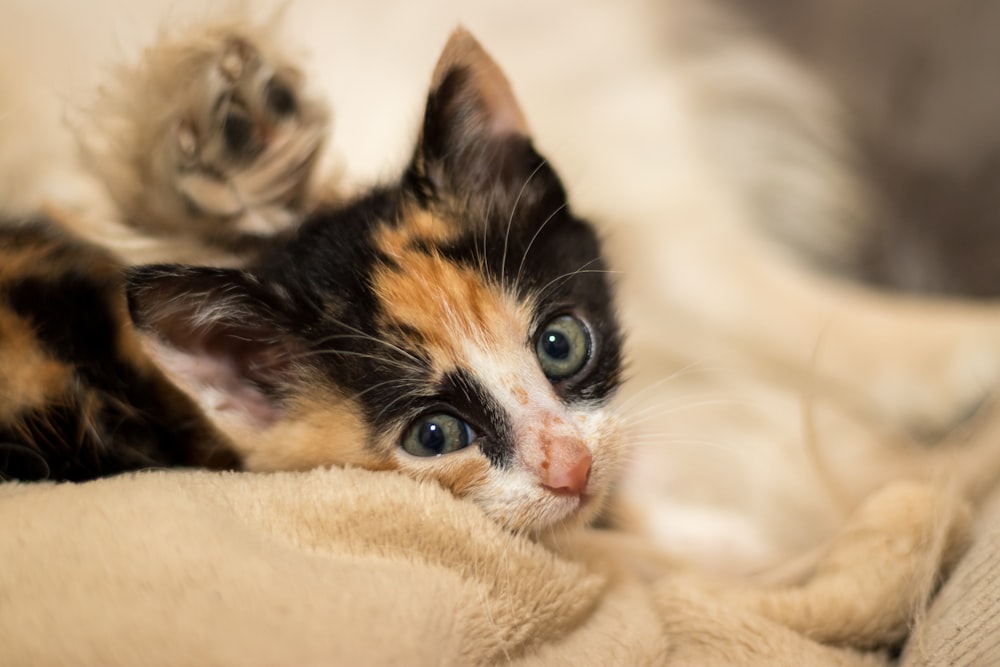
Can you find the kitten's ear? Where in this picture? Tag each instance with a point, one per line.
(474, 137)
(221, 335)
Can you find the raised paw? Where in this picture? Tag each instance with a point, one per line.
(212, 135)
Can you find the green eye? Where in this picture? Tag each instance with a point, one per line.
(437, 434)
(563, 347)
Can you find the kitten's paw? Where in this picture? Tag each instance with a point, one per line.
(213, 134)
(880, 570)
(903, 520)
(245, 145)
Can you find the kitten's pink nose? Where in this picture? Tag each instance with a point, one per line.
(568, 468)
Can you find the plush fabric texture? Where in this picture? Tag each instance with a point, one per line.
(963, 625)
(343, 567)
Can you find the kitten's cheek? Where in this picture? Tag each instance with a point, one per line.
(460, 472)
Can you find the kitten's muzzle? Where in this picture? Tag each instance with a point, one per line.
(565, 470)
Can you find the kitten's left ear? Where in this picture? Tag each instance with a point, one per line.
(474, 137)
(222, 335)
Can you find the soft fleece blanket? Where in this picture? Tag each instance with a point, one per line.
(341, 567)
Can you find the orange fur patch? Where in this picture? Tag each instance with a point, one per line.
(321, 429)
(417, 226)
(30, 378)
(446, 304)
(29, 260)
(55, 256)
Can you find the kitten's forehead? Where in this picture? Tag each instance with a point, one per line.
(400, 290)
(447, 307)
(416, 228)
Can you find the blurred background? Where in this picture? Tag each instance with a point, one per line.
(918, 80)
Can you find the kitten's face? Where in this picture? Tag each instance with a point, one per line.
(457, 327)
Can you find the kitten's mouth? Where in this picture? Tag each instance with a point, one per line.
(583, 500)
(571, 506)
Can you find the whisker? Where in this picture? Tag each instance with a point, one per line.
(524, 256)
(510, 219)
(417, 362)
(642, 393)
(365, 336)
(650, 413)
(566, 276)
(400, 382)
(350, 353)
(486, 233)
(673, 441)
(390, 404)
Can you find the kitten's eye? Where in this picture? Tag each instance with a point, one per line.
(563, 347)
(436, 434)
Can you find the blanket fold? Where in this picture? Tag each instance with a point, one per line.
(343, 567)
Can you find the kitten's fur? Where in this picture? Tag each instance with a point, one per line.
(198, 146)
(78, 397)
(795, 392)
(916, 78)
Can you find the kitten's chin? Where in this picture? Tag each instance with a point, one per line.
(553, 513)
(577, 517)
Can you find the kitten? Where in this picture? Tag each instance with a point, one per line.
(456, 326)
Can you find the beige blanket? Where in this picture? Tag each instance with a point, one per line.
(349, 567)
(962, 628)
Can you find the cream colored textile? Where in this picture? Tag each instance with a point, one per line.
(962, 628)
(336, 567)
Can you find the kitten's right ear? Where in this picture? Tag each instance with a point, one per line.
(474, 137)
(224, 337)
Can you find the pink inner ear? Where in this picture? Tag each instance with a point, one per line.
(506, 119)
(216, 384)
(218, 335)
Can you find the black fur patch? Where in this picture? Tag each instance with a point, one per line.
(117, 413)
(472, 402)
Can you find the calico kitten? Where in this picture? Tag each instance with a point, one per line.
(456, 326)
